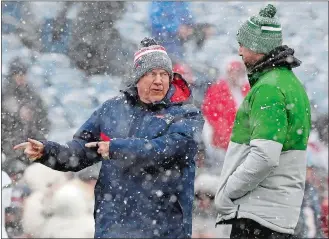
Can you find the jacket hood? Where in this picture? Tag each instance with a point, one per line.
(178, 93)
(278, 57)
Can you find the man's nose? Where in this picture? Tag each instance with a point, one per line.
(240, 51)
(157, 80)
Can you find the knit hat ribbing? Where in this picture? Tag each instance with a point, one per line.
(150, 56)
(261, 33)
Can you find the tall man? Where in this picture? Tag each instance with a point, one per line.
(263, 176)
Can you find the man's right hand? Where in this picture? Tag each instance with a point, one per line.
(33, 149)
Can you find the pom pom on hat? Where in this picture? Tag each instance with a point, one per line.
(147, 41)
(268, 11)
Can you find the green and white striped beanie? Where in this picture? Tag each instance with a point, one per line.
(261, 33)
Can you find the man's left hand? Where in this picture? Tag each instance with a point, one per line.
(103, 148)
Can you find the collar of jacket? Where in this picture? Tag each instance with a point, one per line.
(282, 56)
(178, 93)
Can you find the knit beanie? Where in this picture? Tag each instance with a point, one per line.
(261, 33)
(149, 57)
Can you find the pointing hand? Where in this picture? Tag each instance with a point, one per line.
(33, 149)
(103, 148)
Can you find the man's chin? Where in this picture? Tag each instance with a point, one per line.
(249, 66)
(157, 98)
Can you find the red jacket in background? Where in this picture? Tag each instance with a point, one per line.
(219, 109)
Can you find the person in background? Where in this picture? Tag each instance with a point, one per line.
(23, 114)
(205, 187)
(43, 183)
(146, 139)
(263, 176)
(69, 212)
(185, 71)
(221, 102)
(309, 223)
(171, 25)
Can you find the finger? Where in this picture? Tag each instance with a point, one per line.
(99, 151)
(21, 145)
(37, 147)
(30, 152)
(35, 142)
(91, 144)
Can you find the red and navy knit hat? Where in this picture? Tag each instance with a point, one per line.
(149, 57)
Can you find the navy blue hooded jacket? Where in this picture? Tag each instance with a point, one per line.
(146, 188)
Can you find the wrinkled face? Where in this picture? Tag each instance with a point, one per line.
(249, 57)
(153, 86)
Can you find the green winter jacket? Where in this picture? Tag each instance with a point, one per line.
(263, 176)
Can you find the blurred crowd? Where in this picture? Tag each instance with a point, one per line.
(57, 69)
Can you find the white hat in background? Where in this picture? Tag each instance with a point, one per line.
(71, 217)
(39, 177)
(206, 183)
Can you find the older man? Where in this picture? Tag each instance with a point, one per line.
(263, 176)
(145, 139)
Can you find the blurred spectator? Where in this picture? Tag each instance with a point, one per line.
(219, 108)
(28, 209)
(14, 212)
(17, 19)
(96, 45)
(13, 223)
(171, 25)
(201, 33)
(56, 32)
(198, 84)
(5, 200)
(205, 187)
(321, 126)
(309, 224)
(23, 113)
(185, 71)
(69, 212)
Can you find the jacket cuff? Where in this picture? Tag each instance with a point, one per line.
(46, 152)
(115, 146)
